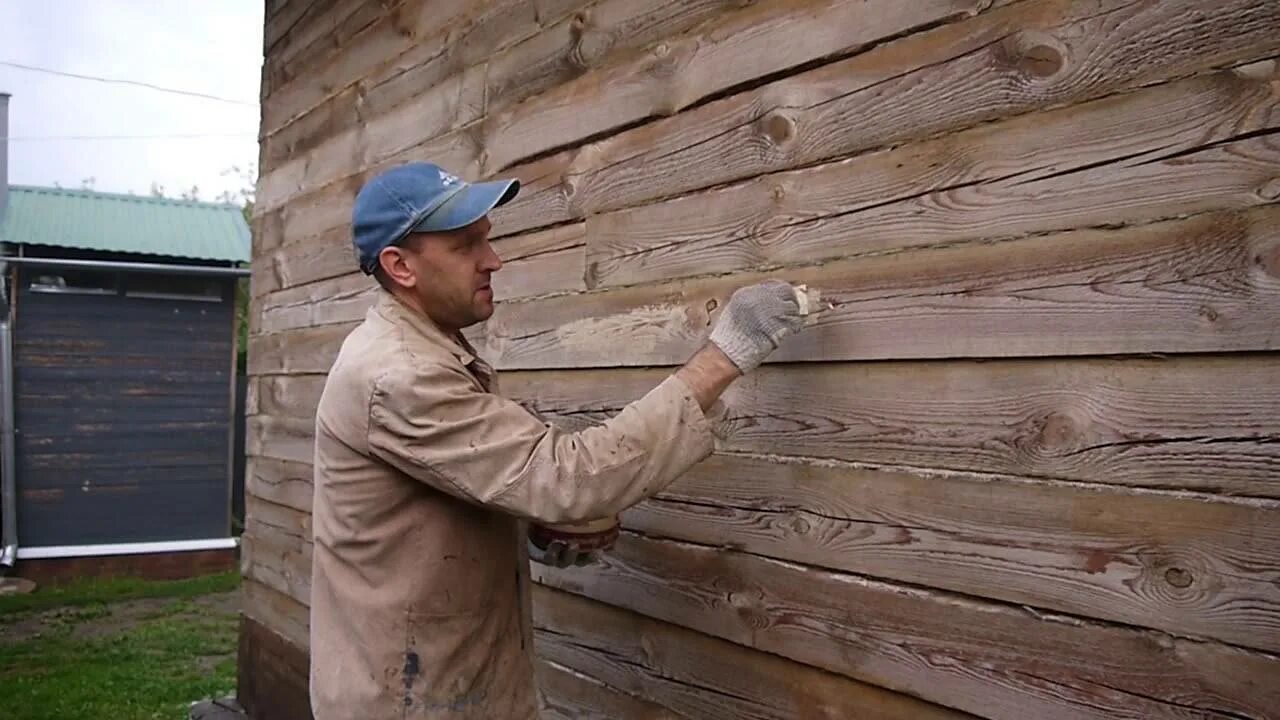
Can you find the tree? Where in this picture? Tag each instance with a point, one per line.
(243, 196)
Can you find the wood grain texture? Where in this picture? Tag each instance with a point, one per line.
(468, 68)
(1206, 422)
(1109, 165)
(589, 37)
(1009, 61)
(312, 351)
(572, 695)
(701, 677)
(1187, 565)
(333, 24)
(414, 68)
(394, 32)
(277, 611)
(281, 438)
(282, 17)
(276, 556)
(754, 41)
(994, 660)
(1204, 284)
(540, 263)
(1098, 163)
(451, 103)
(282, 482)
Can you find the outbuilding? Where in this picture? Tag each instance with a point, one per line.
(119, 381)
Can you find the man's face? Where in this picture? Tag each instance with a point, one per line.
(450, 274)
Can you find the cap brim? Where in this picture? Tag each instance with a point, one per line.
(469, 205)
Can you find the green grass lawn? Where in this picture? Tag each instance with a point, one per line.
(121, 649)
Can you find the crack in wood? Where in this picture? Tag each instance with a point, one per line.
(1198, 439)
(1253, 134)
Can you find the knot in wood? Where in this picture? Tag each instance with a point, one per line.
(777, 127)
(796, 524)
(1178, 577)
(1269, 260)
(778, 193)
(568, 188)
(1036, 54)
(1270, 190)
(1058, 430)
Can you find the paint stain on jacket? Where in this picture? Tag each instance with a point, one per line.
(411, 670)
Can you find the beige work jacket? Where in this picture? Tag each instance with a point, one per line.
(424, 478)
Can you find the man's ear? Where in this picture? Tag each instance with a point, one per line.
(396, 266)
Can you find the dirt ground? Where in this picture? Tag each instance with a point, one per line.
(98, 621)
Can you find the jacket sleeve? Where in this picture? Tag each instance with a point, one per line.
(435, 426)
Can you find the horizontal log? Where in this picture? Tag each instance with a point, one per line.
(1107, 165)
(313, 351)
(538, 263)
(1206, 423)
(759, 40)
(279, 561)
(266, 516)
(1205, 284)
(1012, 60)
(419, 61)
(572, 695)
(282, 482)
(281, 438)
(406, 25)
(587, 38)
(611, 25)
(701, 677)
(327, 27)
(453, 102)
(994, 660)
(411, 99)
(1087, 165)
(277, 611)
(1186, 565)
(284, 16)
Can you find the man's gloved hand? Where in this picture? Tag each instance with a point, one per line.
(755, 321)
(561, 554)
(577, 544)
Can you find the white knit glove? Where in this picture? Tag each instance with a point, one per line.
(755, 321)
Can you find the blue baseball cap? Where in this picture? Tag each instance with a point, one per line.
(418, 197)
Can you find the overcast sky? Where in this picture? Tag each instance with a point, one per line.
(211, 47)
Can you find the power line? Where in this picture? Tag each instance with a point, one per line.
(120, 81)
(161, 136)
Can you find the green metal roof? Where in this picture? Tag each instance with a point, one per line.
(110, 222)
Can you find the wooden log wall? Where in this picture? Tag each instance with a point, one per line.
(1028, 466)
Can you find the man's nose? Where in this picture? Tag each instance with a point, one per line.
(490, 260)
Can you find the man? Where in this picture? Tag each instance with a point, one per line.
(425, 478)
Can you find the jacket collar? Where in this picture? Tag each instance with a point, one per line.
(396, 312)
